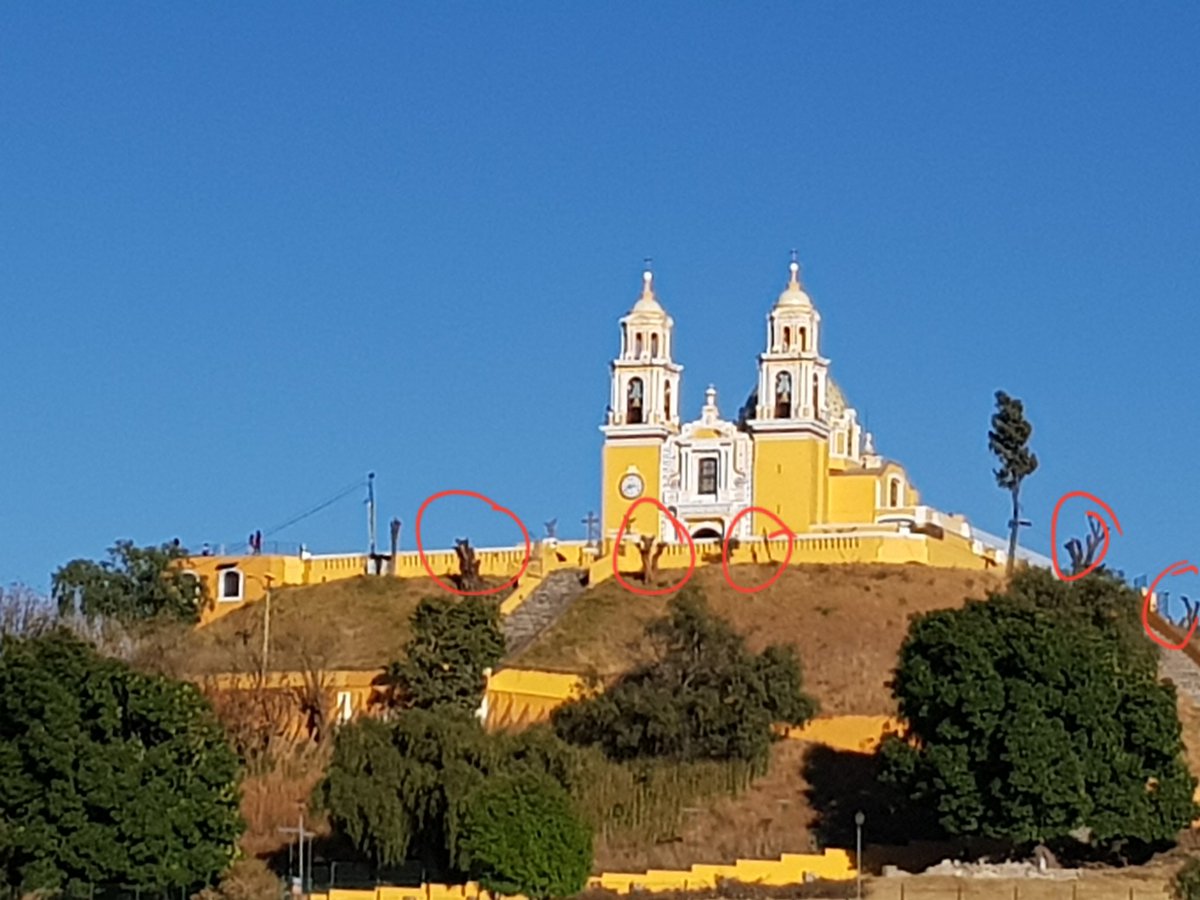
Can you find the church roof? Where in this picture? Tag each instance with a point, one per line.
(794, 294)
(648, 304)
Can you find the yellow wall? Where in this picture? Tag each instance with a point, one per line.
(791, 479)
(857, 734)
(791, 868)
(852, 498)
(618, 457)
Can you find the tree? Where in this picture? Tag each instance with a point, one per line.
(521, 835)
(396, 789)
(134, 583)
(1009, 441)
(650, 549)
(452, 642)
(108, 775)
(24, 612)
(1082, 557)
(468, 566)
(705, 696)
(1028, 725)
(404, 789)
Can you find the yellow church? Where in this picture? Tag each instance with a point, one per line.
(795, 449)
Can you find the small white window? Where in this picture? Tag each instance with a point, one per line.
(345, 706)
(231, 585)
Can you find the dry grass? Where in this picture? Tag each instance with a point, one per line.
(358, 623)
(770, 818)
(274, 799)
(846, 621)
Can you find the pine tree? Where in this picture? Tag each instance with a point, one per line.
(1009, 441)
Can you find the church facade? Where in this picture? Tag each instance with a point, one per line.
(796, 449)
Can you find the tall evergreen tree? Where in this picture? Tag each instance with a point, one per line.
(1009, 441)
(453, 642)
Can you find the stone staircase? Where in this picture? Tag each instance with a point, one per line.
(550, 599)
(1180, 666)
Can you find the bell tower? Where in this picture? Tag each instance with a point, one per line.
(790, 425)
(643, 411)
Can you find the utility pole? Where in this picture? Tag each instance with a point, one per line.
(371, 513)
(266, 648)
(859, 818)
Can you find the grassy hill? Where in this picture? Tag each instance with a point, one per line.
(357, 623)
(846, 621)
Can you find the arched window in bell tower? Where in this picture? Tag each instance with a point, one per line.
(787, 338)
(803, 340)
(633, 401)
(667, 400)
(654, 346)
(783, 396)
(637, 346)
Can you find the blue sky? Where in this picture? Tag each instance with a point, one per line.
(249, 252)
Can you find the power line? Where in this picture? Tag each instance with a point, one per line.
(316, 509)
(342, 493)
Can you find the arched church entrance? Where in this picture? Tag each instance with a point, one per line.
(707, 534)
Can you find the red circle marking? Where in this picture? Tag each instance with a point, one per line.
(496, 508)
(679, 530)
(1178, 568)
(1091, 515)
(783, 529)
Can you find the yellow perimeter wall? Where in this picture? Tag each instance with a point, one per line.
(877, 544)
(791, 868)
(518, 698)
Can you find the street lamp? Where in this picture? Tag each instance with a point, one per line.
(859, 818)
(265, 581)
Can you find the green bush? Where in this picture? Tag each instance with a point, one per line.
(521, 835)
(1186, 883)
(705, 696)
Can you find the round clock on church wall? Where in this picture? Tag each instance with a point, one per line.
(631, 486)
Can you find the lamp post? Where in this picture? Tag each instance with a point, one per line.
(859, 818)
(265, 581)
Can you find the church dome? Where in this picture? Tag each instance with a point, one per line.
(794, 294)
(837, 400)
(647, 304)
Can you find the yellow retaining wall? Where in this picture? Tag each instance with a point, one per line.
(873, 544)
(858, 734)
(791, 868)
(520, 697)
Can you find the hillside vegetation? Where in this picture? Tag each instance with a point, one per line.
(357, 623)
(846, 621)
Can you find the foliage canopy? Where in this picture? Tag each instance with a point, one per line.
(1009, 441)
(453, 641)
(521, 835)
(108, 775)
(705, 696)
(1035, 723)
(134, 583)
(409, 788)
